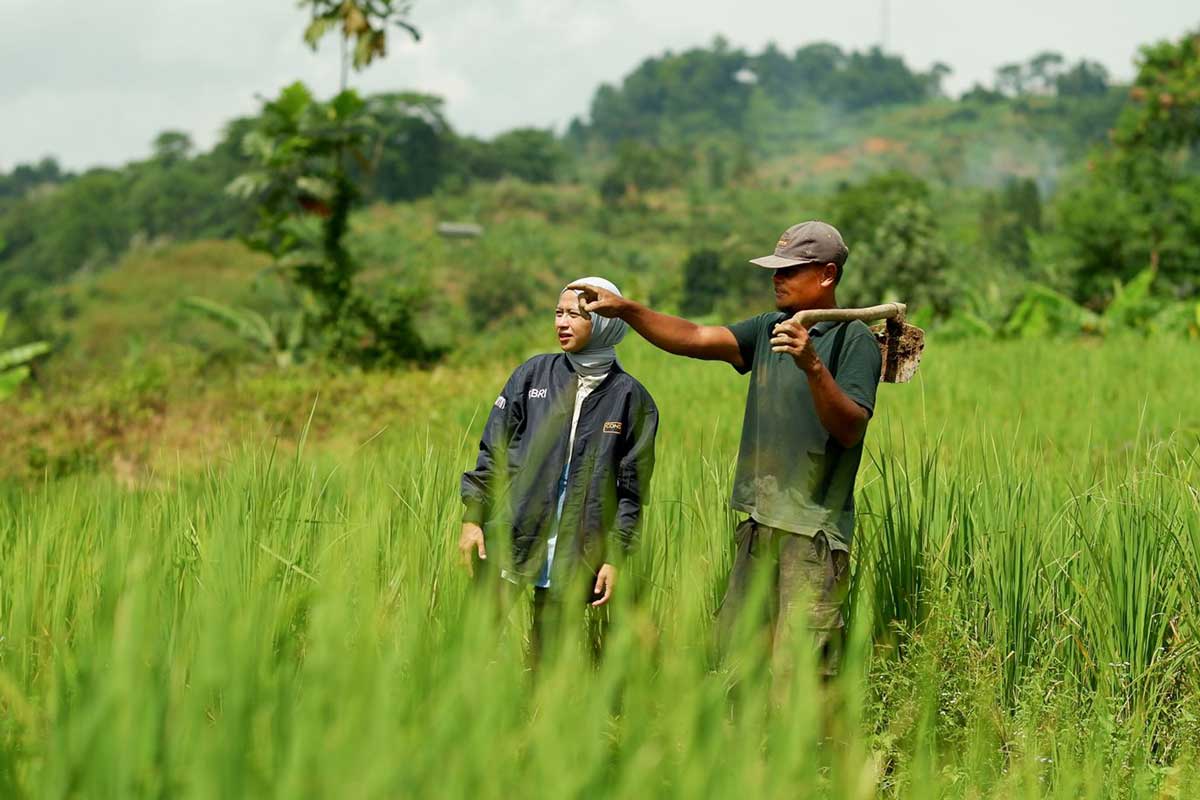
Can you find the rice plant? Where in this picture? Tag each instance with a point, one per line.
(291, 623)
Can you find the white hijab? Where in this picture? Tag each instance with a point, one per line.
(600, 353)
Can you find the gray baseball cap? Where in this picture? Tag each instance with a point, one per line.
(812, 242)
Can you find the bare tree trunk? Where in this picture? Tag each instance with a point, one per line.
(345, 66)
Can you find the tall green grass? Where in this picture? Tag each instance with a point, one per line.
(1023, 618)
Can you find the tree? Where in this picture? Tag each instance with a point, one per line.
(812, 66)
(775, 74)
(1011, 80)
(904, 260)
(934, 78)
(981, 94)
(704, 283)
(1085, 79)
(304, 195)
(639, 167)
(25, 177)
(857, 210)
(1156, 142)
(1128, 212)
(1164, 111)
(56, 224)
(413, 150)
(1047, 73)
(363, 21)
(304, 185)
(1043, 70)
(531, 154)
(174, 195)
(86, 225)
(875, 78)
(1009, 217)
(678, 98)
(1138, 205)
(172, 146)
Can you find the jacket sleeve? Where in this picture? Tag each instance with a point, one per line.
(633, 473)
(478, 484)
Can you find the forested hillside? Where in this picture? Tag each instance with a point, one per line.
(716, 111)
(1027, 205)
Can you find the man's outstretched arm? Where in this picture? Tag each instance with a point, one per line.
(673, 334)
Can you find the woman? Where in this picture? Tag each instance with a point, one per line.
(563, 467)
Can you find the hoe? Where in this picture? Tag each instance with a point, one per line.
(900, 343)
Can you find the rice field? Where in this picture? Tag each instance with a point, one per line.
(286, 623)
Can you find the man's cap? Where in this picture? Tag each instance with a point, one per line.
(812, 242)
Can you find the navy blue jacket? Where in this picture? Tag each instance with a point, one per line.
(515, 483)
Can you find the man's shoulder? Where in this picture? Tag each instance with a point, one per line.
(757, 325)
(856, 328)
(862, 340)
(860, 364)
(766, 319)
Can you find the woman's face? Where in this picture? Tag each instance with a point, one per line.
(573, 328)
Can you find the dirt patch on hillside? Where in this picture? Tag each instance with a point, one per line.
(878, 145)
(847, 158)
(840, 161)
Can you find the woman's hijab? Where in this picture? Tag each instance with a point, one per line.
(598, 356)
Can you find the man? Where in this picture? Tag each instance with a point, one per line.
(812, 393)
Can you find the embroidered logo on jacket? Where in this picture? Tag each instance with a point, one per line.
(612, 427)
(501, 402)
(535, 394)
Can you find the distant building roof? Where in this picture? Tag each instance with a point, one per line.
(459, 230)
(745, 75)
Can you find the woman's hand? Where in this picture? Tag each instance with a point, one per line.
(469, 544)
(606, 582)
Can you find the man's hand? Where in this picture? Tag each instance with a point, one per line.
(675, 335)
(606, 582)
(792, 338)
(471, 544)
(843, 418)
(601, 301)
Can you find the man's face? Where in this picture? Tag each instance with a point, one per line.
(803, 286)
(573, 328)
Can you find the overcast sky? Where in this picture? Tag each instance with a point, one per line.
(93, 82)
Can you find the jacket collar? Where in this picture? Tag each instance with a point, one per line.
(563, 364)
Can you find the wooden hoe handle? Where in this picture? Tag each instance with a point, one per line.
(886, 311)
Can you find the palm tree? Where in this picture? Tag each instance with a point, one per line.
(364, 21)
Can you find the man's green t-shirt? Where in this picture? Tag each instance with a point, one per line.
(791, 474)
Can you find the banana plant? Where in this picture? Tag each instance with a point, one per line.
(282, 336)
(1176, 318)
(1133, 304)
(14, 363)
(1043, 310)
